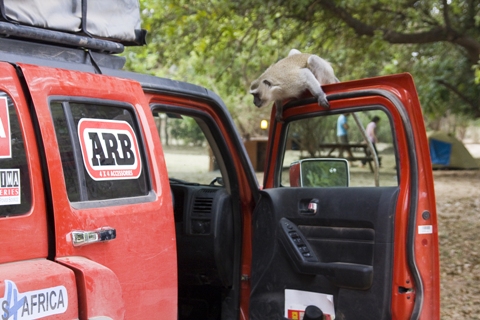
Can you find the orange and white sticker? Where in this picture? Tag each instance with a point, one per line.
(5, 136)
(300, 314)
(110, 149)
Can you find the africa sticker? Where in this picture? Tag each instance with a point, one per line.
(110, 149)
(9, 187)
(5, 139)
(30, 305)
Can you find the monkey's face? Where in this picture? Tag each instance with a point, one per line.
(261, 91)
(257, 100)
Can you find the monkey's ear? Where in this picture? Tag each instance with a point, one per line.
(293, 51)
(267, 83)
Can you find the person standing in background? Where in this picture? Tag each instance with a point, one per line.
(342, 134)
(371, 132)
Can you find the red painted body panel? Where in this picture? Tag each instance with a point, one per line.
(99, 291)
(142, 257)
(15, 231)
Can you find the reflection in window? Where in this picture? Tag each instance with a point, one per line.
(340, 136)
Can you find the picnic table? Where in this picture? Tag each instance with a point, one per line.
(365, 156)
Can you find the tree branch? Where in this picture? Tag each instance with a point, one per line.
(472, 103)
(435, 34)
(446, 18)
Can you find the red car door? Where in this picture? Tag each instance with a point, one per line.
(108, 192)
(31, 285)
(364, 251)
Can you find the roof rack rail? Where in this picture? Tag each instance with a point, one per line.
(60, 38)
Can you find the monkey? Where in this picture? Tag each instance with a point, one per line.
(290, 77)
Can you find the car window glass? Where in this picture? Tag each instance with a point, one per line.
(15, 193)
(188, 154)
(311, 141)
(101, 151)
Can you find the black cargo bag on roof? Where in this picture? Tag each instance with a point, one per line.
(114, 20)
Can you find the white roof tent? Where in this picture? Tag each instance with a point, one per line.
(102, 26)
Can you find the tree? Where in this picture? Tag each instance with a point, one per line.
(224, 45)
(186, 131)
(447, 33)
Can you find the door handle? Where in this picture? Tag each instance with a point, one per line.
(312, 208)
(81, 238)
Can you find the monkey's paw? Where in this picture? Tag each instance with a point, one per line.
(323, 102)
(279, 118)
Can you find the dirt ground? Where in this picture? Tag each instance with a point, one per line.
(458, 209)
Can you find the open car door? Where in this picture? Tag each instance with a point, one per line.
(354, 238)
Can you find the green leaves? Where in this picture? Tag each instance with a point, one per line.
(224, 45)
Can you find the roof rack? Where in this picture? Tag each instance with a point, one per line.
(35, 34)
(101, 26)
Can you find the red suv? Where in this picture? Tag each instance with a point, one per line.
(127, 196)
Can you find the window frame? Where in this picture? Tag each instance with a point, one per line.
(336, 112)
(212, 136)
(65, 102)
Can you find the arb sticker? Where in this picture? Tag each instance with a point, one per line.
(9, 186)
(110, 149)
(5, 139)
(32, 304)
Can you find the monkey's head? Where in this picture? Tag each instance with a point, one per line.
(262, 91)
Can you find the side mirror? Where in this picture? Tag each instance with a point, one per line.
(320, 172)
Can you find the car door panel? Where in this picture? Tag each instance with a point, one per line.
(363, 245)
(322, 251)
(350, 240)
(31, 286)
(32, 224)
(131, 261)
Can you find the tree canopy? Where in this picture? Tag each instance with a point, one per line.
(224, 45)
